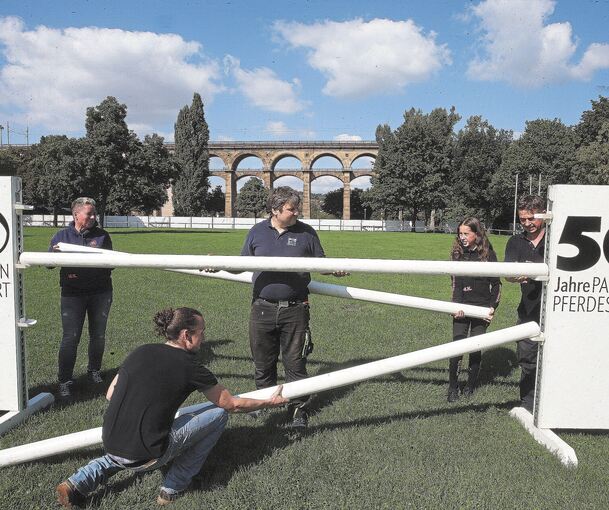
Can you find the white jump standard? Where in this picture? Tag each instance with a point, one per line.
(572, 380)
(13, 381)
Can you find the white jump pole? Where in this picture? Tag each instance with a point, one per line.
(324, 289)
(284, 264)
(324, 382)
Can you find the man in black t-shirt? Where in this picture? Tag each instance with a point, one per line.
(528, 247)
(140, 431)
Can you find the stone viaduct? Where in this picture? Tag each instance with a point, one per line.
(271, 153)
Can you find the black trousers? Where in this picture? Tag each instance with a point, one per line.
(526, 352)
(275, 330)
(464, 328)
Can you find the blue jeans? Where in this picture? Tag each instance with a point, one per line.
(73, 310)
(191, 438)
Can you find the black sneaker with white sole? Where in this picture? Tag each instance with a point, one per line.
(65, 390)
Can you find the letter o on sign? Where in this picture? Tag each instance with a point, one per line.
(4, 233)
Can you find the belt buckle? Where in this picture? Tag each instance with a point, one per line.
(283, 304)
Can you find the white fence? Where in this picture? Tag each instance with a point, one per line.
(211, 222)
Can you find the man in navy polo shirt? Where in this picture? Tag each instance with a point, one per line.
(528, 246)
(279, 319)
(84, 291)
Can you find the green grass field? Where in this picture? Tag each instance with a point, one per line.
(392, 442)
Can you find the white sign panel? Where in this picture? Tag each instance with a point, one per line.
(573, 376)
(13, 391)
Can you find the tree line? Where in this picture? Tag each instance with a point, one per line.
(424, 169)
(121, 172)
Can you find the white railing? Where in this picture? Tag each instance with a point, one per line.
(211, 222)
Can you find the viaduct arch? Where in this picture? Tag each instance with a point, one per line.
(270, 153)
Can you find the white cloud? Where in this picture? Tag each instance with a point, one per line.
(53, 75)
(519, 48)
(326, 183)
(360, 58)
(292, 182)
(264, 89)
(307, 134)
(277, 128)
(344, 137)
(222, 138)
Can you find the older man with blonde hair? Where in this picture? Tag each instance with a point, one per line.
(84, 292)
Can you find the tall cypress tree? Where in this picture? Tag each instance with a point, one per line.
(191, 159)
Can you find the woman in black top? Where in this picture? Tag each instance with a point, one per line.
(471, 244)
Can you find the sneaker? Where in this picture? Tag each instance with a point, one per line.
(468, 391)
(68, 496)
(166, 498)
(95, 376)
(453, 395)
(300, 418)
(64, 389)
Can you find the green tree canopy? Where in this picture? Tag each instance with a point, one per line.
(54, 172)
(592, 121)
(143, 183)
(191, 159)
(414, 162)
(252, 198)
(478, 154)
(215, 201)
(544, 153)
(593, 159)
(107, 144)
(122, 173)
(333, 203)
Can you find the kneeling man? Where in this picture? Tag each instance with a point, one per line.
(139, 430)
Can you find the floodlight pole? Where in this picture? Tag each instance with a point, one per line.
(515, 205)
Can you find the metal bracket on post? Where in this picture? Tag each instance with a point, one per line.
(20, 208)
(23, 323)
(547, 217)
(539, 338)
(540, 278)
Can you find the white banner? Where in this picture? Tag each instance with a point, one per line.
(573, 378)
(13, 391)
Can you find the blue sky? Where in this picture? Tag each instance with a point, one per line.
(299, 70)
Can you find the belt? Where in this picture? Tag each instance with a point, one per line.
(282, 303)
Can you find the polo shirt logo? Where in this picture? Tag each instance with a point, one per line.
(292, 241)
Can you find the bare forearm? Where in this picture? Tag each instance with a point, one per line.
(220, 396)
(246, 405)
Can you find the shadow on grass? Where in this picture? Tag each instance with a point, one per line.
(442, 411)
(497, 362)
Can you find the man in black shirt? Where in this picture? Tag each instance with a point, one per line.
(528, 247)
(140, 431)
